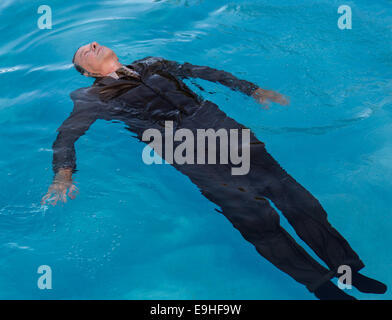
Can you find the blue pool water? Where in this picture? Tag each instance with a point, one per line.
(145, 232)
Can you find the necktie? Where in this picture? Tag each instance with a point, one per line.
(124, 71)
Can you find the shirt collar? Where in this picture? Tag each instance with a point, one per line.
(113, 75)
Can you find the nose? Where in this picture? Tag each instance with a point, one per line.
(94, 45)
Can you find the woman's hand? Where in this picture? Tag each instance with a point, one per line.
(265, 97)
(62, 183)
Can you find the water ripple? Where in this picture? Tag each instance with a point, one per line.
(13, 69)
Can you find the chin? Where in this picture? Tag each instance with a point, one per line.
(109, 56)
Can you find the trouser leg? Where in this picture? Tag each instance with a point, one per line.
(259, 224)
(307, 216)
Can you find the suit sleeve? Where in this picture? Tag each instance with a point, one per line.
(227, 79)
(69, 132)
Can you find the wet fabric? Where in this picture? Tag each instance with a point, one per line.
(247, 201)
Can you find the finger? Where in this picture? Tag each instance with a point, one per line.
(282, 100)
(51, 198)
(63, 196)
(54, 199)
(44, 198)
(71, 188)
(73, 192)
(261, 100)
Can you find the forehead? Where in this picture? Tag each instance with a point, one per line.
(80, 51)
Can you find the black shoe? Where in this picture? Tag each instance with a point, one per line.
(367, 285)
(328, 291)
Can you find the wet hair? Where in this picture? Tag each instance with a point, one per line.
(79, 68)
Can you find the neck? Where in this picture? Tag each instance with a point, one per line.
(118, 65)
(113, 67)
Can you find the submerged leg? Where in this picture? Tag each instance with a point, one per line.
(305, 214)
(259, 223)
